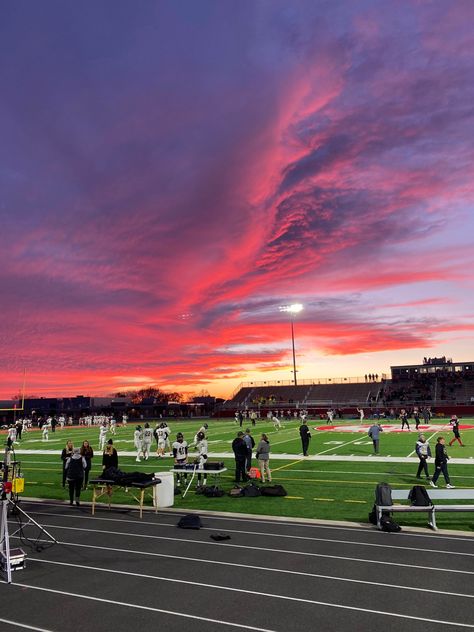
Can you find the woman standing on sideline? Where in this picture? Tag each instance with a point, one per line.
(110, 456)
(65, 454)
(75, 466)
(263, 457)
(441, 464)
(88, 453)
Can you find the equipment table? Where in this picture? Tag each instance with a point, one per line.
(104, 487)
(198, 470)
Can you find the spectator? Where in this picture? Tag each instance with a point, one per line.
(109, 456)
(441, 463)
(424, 453)
(239, 447)
(75, 466)
(250, 443)
(263, 456)
(88, 453)
(65, 454)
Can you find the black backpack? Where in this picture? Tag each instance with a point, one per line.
(251, 491)
(419, 496)
(190, 521)
(274, 490)
(383, 495)
(388, 525)
(213, 491)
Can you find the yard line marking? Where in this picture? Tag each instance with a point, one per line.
(363, 502)
(239, 625)
(282, 467)
(329, 500)
(148, 608)
(291, 572)
(294, 497)
(338, 446)
(266, 535)
(24, 625)
(255, 548)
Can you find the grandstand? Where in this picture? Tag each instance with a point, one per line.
(437, 382)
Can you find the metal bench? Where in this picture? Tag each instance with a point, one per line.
(435, 494)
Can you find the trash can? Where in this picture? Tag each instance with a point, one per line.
(163, 494)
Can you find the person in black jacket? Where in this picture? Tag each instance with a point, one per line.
(75, 466)
(110, 456)
(65, 454)
(441, 463)
(305, 437)
(88, 453)
(455, 428)
(239, 448)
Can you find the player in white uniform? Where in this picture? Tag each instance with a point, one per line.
(113, 425)
(46, 427)
(180, 454)
(124, 420)
(201, 446)
(202, 430)
(329, 416)
(146, 441)
(167, 434)
(138, 441)
(160, 439)
(361, 414)
(276, 422)
(12, 435)
(102, 435)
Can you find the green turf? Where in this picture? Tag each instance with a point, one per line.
(342, 490)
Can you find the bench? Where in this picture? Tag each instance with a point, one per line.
(101, 487)
(193, 470)
(434, 494)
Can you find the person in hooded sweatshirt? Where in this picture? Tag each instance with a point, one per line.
(423, 452)
(75, 468)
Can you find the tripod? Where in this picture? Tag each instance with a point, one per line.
(6, 501)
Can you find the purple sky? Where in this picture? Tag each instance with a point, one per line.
(173, 172)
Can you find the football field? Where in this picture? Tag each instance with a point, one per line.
(336, 481)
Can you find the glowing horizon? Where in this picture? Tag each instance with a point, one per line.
(170, 177)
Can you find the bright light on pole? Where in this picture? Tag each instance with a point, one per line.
(292, 309)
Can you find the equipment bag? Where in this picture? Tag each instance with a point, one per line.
(214, 465)
(213, 491)
(254, 472)
(388, 525)
(419, 496)
(274, 490)
(236, 492)
(190, 521)
(251, 491)
(383, 495)
(373, 516)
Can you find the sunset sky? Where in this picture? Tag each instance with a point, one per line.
(172, 172)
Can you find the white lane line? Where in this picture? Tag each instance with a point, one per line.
(270, 520)
(24, 625)
(337, 447)
(259, 568)
(295, 537)
(148, 608)
(248, 627)
(258, 548)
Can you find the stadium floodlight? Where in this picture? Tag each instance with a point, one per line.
(296, 308)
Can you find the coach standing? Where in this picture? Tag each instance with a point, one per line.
(239, 448)
(374, 433)
(305, 437)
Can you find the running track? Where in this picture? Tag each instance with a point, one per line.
(116, 573)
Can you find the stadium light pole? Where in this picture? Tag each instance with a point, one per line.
(293, 309)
